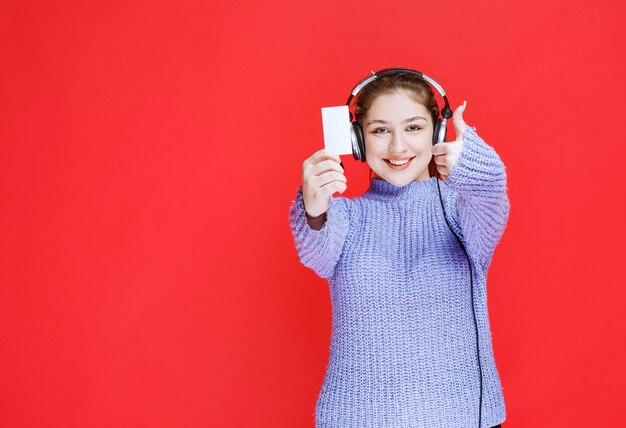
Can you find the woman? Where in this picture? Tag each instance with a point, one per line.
(407, 308)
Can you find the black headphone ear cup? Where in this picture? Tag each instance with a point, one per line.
(436, 131)
(358, 142)
(361, 139)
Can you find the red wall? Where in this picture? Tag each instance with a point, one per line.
(148, 157)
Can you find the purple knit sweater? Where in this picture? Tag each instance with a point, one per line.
(403, 344)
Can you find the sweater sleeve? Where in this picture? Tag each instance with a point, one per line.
(479, 202)
(320, 249)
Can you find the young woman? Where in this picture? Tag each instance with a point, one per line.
(411, 344)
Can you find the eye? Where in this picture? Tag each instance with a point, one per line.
(413, 128)
(380, 131)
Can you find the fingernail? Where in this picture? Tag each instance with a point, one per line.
(464, 104)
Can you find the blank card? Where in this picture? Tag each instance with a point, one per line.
(336, 123)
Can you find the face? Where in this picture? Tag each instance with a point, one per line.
(398, 138)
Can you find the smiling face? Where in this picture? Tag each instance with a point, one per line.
(398, 138)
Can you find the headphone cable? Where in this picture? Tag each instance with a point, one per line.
(480, 370)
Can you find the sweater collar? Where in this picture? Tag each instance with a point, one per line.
(381, 189)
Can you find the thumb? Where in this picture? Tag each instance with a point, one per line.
(457, 120)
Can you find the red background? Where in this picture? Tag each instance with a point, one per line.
(149, 155)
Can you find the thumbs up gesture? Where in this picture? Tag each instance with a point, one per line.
(447, 153)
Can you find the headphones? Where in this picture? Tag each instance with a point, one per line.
(439, 136)
(356, 132)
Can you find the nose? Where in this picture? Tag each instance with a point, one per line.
(397, 145)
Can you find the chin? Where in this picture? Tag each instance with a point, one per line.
(398, 180)
(404, 177)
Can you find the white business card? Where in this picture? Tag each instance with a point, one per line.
(336, 124)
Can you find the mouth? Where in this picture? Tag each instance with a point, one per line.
(399, 164)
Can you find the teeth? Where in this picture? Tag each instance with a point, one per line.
(398, 163)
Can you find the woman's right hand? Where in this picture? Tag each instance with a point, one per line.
(322, 176)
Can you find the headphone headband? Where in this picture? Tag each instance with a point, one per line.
(446, 112)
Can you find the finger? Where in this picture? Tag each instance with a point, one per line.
(324, 166)
(321, 155)
(329, 177)
(333, 187)
(457, 120)
(443, 169)
(439, 149)
(441, 160)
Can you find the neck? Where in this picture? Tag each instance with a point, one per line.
(381, 189)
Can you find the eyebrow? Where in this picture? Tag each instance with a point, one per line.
(411, 119)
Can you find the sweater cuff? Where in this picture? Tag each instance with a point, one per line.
(479, 171)
(319, 249)
(316, 223)
(299, 218)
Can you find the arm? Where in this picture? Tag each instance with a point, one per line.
(479, 203)
(320, 249)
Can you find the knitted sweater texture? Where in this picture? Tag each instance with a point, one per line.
(403, 345)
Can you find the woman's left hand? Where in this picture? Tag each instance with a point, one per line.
(447, 153)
